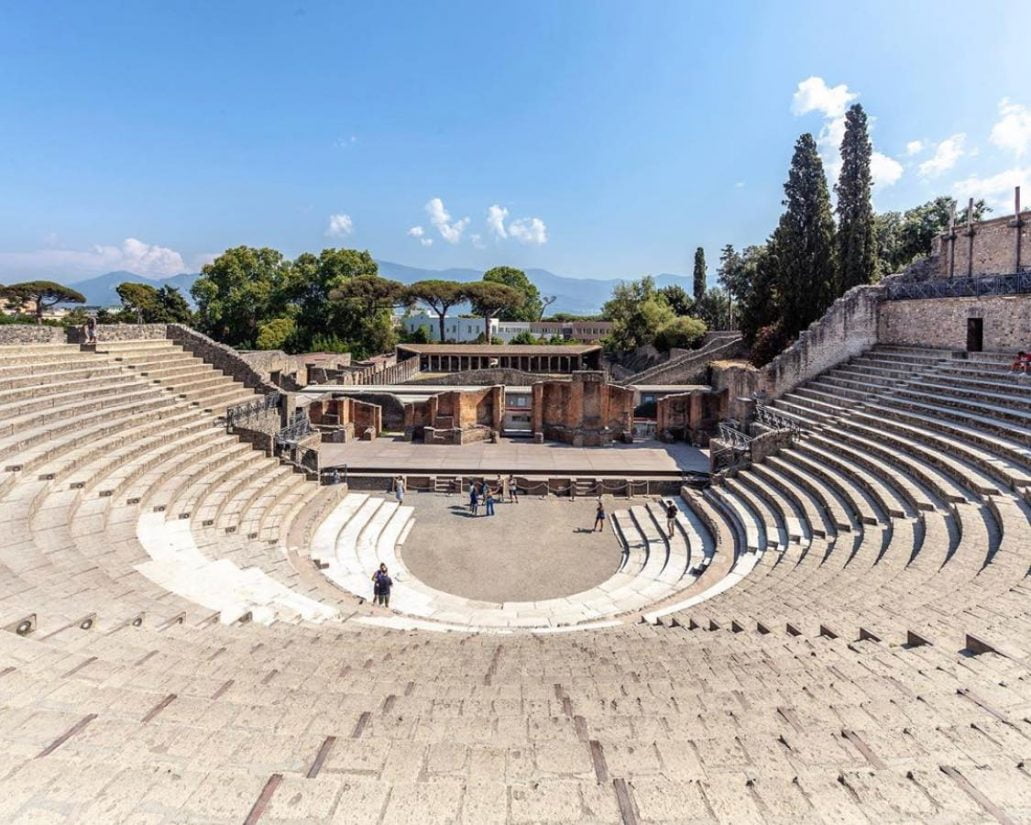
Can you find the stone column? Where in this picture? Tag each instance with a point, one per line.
(1016, 223)
(970, 238)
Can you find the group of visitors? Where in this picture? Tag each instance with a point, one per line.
(481, 491)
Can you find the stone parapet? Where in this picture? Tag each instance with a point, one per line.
(220, 356)
(33, 334)
(942, 322)
(846, 329)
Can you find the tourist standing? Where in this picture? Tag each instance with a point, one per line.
(381, 584)
(90, 330)
(474, 498)
(671, 517)
(513, 490)
(399, 489)
(599, 517)
(489, 500)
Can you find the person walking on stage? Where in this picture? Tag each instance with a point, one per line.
(671, 517)
(399, 489)
(381, 584)
(474, 498)
(513, 490)
(488, 495)
(599, 517)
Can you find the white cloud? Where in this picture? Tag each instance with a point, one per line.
(814, 95)
(997, 190)
(419, 233)
(496, 216)
(450, 231)
(529, 231)
(914, 147)
(884, 170)
(1013, 129)
(340, 226)
(945, 156)
(477, 241)
(131, 255)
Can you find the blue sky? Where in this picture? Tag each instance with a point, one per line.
(594, 139)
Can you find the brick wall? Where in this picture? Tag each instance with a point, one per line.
(942, 322)
(509, 377)
(586, 411)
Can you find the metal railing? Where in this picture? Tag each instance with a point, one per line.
(772, 418)
(239, 415)
(297, 430)
(1017, 283)
(734, 437)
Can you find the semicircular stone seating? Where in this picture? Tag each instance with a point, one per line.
(837, 634)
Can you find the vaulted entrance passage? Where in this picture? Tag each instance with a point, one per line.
(975, 334)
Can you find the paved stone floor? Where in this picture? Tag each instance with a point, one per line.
(518, 456)
(536, 549)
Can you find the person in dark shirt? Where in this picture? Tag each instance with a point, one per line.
(381, 584)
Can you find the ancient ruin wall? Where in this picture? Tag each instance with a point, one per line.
(847, 328)
(986, 248)
(586, 411)
(942, 322)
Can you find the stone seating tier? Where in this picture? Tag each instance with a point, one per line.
(836, 634)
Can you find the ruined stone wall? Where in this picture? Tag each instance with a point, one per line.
(586, 411)
(733, 383)
(218, 355)
(290, 368)
(994, 248)
(847, 328)
(942, 322)
(686, 415)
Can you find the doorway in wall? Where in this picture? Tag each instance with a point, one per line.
(975, 334)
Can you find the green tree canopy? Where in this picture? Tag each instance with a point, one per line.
(147, 305)
(275, 333)
(676, 296)
(238, 290)
(491, 298)
(683, 332)
(803, 242)
(699, 273)
(716, 308)
(638, 311)
(439, 296)
(902, 237)
(532, 307)
(42, 294)
(857, 245)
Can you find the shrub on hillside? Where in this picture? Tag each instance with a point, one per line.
(769, 342)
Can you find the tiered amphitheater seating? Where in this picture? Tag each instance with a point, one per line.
(906, 505)
(851, 645)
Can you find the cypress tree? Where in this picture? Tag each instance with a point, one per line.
(857, 243)
(803, 242)
(699, 274)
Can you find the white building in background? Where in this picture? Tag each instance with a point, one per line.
(467, 330)
(459, 330)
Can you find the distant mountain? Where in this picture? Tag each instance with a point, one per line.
(100, 290)
(580, 296)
